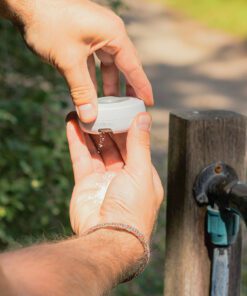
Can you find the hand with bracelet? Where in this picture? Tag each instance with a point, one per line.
(113, 233)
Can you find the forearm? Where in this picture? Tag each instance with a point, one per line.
(91, 265)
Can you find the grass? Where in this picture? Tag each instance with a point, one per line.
(227, 15)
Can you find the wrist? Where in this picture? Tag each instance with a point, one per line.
(120, 255)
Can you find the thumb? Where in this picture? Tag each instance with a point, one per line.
(138, 144)
(82, 91)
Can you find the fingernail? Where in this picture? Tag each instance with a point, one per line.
(144, 122)
(86, 112)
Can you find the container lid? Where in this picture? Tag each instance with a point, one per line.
(115, 114)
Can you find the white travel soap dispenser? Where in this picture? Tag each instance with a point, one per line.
(115, 114)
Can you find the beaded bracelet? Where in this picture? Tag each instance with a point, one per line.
(135, 232)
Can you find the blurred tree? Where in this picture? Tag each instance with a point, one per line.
(36, 177)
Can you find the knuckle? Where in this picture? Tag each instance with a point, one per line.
(108, 61)
(135, 70)
(82, 94)
(119, 23)
(144, 141)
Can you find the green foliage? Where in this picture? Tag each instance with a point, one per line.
(115, 4)
(36, 177)
(228, 15)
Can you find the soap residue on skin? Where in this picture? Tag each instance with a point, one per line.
(102, 186)
(95, 187)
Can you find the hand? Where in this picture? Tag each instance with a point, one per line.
(134, 193)
(67, 33)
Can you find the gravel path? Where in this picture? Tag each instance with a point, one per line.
(190, 66)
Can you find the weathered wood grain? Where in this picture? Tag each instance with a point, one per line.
(197, 139)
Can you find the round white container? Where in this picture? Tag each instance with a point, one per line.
(115, 114)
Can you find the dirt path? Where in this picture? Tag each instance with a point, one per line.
(189, 66)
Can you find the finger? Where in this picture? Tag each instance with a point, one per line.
(97, 161)
(82, 91)
(92, 71)
(138, 144)
(120, 140)
(110, 74)
(110, 78)
(80, 156)
(130, 92)
(109, 152)
(126, 60)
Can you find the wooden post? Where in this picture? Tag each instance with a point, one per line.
(197, 139)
